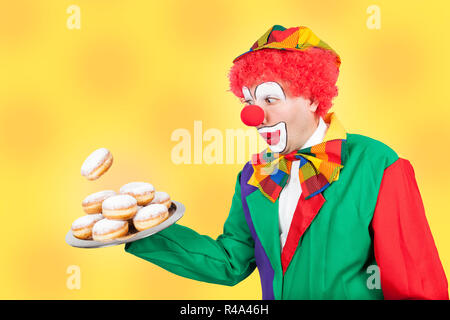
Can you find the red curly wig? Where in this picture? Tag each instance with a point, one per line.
(311, 73)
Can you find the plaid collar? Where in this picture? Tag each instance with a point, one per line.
(319, 164)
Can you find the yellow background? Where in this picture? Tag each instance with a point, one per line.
(138, 70)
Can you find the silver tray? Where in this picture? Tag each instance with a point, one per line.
(176, 211)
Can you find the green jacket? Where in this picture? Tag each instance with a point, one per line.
(332, 257)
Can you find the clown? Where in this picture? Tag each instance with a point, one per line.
(320, 207)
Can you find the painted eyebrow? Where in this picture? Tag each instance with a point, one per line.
(282, 90)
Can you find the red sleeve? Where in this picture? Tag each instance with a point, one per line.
(403, 245)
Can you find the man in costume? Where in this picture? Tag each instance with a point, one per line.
(317, 209)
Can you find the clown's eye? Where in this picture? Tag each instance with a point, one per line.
(270, 100)
(248, 101)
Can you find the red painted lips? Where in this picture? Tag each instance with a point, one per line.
(271, 138)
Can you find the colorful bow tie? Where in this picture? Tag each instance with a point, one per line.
(319, 167)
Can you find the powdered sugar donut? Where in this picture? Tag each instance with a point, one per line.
(82, 227)
(142, 191)
(93, 202)
(162, 197)
(107, 229)
(150, 216)
(96, 164)
(119, 207)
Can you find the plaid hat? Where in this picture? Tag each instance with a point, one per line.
(296, 38)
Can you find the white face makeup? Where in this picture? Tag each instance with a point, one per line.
(263, 91)
(276, 135)
(247, 95)
(269, 89)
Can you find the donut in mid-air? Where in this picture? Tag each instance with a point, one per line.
(82, 227)
(119, 207)
(142, 191)
(96, 164)
(106, 229)
(150, 216)
(162, 197)
(93, 202)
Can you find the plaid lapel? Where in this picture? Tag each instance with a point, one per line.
(319, 165)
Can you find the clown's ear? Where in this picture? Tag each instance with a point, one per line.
(313, 104)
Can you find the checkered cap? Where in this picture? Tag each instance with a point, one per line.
(296, 38)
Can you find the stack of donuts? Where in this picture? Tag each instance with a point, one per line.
(112, 215)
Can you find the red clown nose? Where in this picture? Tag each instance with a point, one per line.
(252, 115)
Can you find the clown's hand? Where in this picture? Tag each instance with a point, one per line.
(227, 260)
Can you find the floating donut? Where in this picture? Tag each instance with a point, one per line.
(142, 191)
(96, 164)
(106, 229)
(82, 227)
(119, 207)
(93, 202)
(150, 216)
(162, 197)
